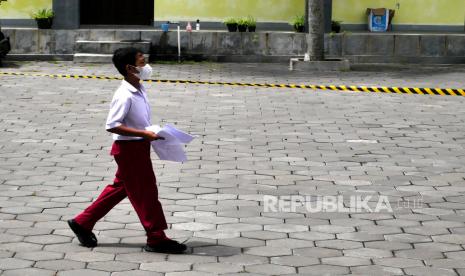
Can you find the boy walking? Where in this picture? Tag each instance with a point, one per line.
(129, 115)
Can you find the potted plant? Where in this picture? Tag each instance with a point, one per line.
(44, 18)
(336, 26)
(242, 25)
(251, 24)
(231, 23)
(298, 22)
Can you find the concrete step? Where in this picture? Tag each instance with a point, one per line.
(109, 47)
(92, 58)
(96, 58)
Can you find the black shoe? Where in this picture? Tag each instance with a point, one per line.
(167, 246)
(85, 237)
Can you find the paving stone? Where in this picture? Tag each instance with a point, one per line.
(360, 236)
(13, 263)
(451, 238)
(268, 251)
(189, 273)
(312, 236)
(332, 229)
(426, 230)
(60, 264)
(140, 257)
(6, 224)
(419, 254)
(243, 274)
(270, 269)
(136, 273)
(446, 263)
(367, 253)
(21, 210)
(39, 255)
(194, 214)
(165, 266)
(217, 234)
(460, 255)
(339, 244)
(285, 228)
(376, 270)
(216, 220)
(243, 259)
(188, 258)
(429, 271)
(89, 256)
(193, 226)
(345, 261)
(218, 268)
(6, 254)
(265, 235)
(29, 272)
(219, 251)
(398, 262)
(20, 246)
(47, 239)
(323, 269)
(66, 248)
(10, 238)
(443, 247)
(290, 243)
(241, 242)
(112, 266)
(295, 261)
(409, 238)
(121, 233)
(77, 272)
(117, 248)
(317, 252)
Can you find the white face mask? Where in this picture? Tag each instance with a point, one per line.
(145, 72)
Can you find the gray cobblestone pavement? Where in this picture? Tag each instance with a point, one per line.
(252, 142)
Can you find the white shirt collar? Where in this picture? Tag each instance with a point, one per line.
(131, 88)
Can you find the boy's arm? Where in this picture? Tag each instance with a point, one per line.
(128, 131)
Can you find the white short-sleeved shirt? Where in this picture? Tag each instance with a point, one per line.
(129, 107)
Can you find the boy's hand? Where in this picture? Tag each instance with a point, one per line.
(148, 135)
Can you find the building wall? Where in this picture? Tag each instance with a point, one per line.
(22, 9)
(215, 10)
(411, 12)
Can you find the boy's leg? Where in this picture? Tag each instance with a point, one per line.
(110, 196)
(141, 188)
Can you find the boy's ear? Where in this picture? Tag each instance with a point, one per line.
(130, 68)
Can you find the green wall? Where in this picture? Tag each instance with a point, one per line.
(218, 10)
(420, 12)
(411, 12)
(21, 9)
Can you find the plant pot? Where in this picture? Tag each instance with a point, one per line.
(165, 27)
(232, 27)
(44, 23)
(336, 29)
(299, 29)
(252, 29)
(242, 28)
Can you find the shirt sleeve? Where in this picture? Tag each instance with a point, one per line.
(118, 110)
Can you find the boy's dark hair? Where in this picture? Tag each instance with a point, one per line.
(123, 57)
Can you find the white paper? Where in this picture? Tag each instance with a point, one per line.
(172, 148)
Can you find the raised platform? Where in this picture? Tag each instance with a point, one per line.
(242, 47)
